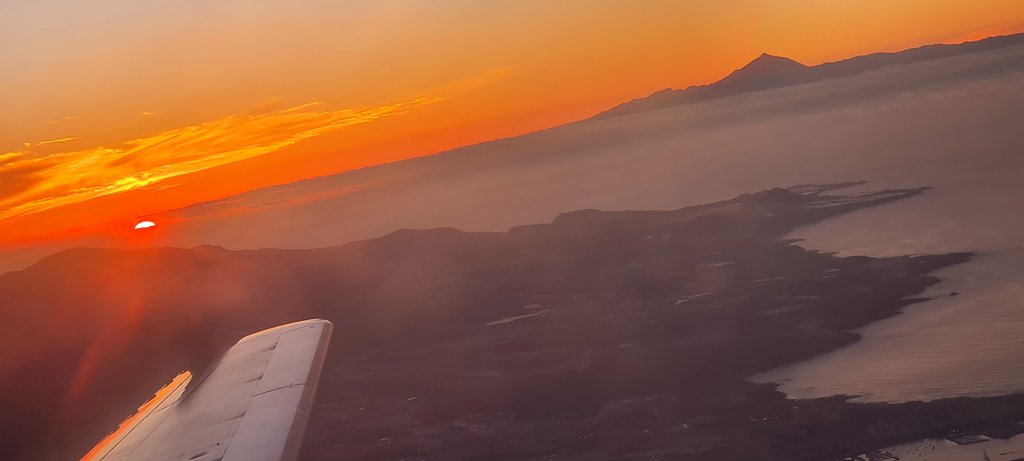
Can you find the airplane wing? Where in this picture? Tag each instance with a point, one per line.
(252, 406)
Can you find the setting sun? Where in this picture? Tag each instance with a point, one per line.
(145, 225)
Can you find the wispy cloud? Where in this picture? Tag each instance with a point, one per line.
(65, 119)
(52, 180)
(55, 141)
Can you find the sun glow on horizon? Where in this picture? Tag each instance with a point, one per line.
(145, 225)
(102, 130)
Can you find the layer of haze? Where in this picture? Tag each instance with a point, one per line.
(952, 123)
(116, 110)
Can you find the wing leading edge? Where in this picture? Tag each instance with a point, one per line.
(252, 406)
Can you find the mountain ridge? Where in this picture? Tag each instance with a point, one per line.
(769, 71)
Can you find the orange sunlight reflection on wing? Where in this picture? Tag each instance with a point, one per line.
(110, 441)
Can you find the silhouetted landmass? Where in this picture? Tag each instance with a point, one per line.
(767, 72)
(602, 335)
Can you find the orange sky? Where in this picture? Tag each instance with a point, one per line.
(114, 109)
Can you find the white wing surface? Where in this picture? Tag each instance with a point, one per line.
(252, 406)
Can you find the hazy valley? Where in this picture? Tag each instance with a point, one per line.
(521, 345)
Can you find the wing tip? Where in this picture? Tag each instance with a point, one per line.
(280, 329)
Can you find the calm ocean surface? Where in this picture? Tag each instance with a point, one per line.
(968, 345)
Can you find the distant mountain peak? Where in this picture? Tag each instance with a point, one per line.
(773, 57)
(766, 65)
(773, 60)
